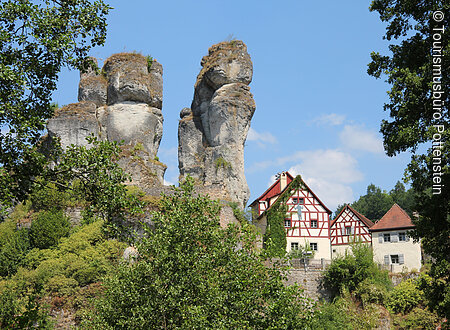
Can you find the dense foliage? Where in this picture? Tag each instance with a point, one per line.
(64, 276)
(48, 228)
(417, 69)
(193, 274)
(275, 236)
(37, 39)
(348, 271)
(376, 202)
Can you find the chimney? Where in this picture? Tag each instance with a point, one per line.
(283, 181)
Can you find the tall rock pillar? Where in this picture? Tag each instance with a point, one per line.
(123, 102)
(212, 133)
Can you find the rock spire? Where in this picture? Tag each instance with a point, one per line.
(212, 133)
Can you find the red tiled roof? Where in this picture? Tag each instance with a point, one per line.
(395, 218)
(274, 189)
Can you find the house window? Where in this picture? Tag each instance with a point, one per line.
(297, 200)
(394, 259)
(287, 223)
(387, 237)
(314, 224)
(313, 246)
(348, 230)
(294, 245)
(402, 237)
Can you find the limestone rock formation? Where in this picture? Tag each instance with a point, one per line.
(211, 135)
(122, 102)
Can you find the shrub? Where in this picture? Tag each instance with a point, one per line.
(404, 297)
(303, 251)
(371, 293)
(47, 197)
(420, 318)
(344, 313)
(350, 270)
(14, 245)
(48, 228)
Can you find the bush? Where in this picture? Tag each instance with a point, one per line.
(371, 293)
(405, 296)
(47, 197)
(48, 228)
(420, 318)
(350, 270)
(14, 245)
(344, 313)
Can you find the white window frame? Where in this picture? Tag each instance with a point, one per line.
(348, 230)
(312, 245)
(388, 236)
(294, 246)
(287, 221)
(316, 222)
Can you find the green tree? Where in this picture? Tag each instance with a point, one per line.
(93, 174)
(37, 39)
(403, 197)
(193, 274)
(418, 105)
(374, 204)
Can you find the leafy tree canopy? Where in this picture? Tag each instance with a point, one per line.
(37, 39)
(193, 274)
(417, 70)
(376, 202)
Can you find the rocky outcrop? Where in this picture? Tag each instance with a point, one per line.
(212, 133)
(123, 101)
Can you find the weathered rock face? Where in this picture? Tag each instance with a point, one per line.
(211, 135)
(123, 102)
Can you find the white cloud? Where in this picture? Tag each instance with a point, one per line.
(329, 174)
(261, 138)
(271, 180)
(329, 119)
(358, 138)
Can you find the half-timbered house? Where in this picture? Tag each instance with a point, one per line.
(349, 227)
(307, 219)
(391, 243)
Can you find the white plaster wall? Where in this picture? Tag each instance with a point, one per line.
(409, 249)
(340, 249)
(323, 246)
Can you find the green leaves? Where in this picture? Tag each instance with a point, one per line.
(37, 39)
(417, 70)
(193, 274)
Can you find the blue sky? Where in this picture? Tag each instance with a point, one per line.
(318, 112)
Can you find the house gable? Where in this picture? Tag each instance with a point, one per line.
(350, 226)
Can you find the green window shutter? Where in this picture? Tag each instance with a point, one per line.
(386, 259)
(401, 259)
(380, 238)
